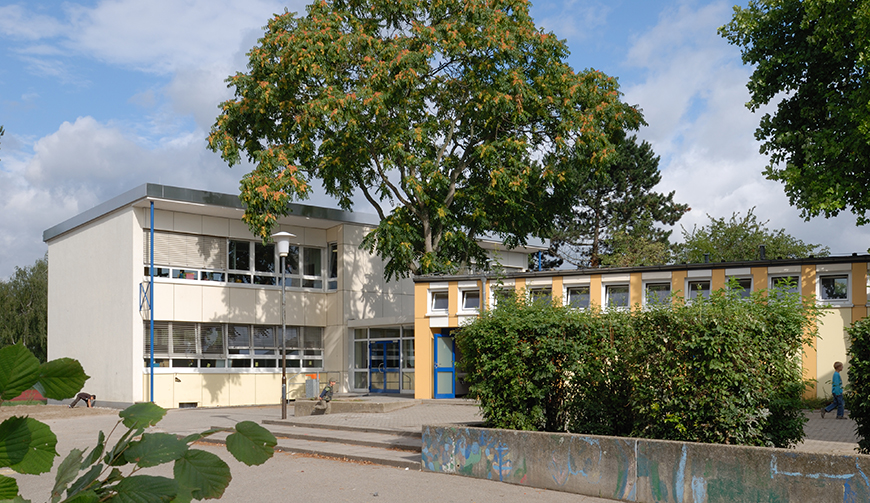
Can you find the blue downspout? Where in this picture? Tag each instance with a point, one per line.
(151, 299)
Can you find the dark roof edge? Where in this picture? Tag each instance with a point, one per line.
(664, 268)
(179, 194)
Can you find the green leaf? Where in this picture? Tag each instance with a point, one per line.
(251, 444)
(61, 378)
(142, 415)
(19, 371)
(14, 439)
(155, 449)
(26, 445)
(8, 488)
(84, 497)
(66, 473)
(115, 457)
(97, 451)
(145, 489)
(85, 480)
(41, 450)
(205, 474)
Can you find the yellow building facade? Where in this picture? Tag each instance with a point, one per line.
(441, 304)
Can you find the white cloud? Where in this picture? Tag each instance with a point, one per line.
(18, 22)
(693, 95)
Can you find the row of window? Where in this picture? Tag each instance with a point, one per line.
(219, 345)
(832, 288)
(207, 258)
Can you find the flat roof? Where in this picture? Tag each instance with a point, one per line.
(230, 206)
(211, 203)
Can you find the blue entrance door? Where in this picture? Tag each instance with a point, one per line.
(384, 367)
(445, 366)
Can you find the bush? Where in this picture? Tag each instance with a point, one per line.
(722, 370)
(858, 390)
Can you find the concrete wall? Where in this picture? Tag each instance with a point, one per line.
(639, 470)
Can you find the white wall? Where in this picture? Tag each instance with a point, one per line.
(93, 303)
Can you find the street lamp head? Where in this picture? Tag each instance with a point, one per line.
(282, 241)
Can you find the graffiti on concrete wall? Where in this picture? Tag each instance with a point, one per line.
(645, 470)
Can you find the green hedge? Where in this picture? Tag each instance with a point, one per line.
(720, 370)
(858, 390)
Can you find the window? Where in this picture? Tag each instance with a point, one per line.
(699, 289)
(264, 262)
(214, 345)
(438, 301)
(743, 286)
(470, 300)
(312, 275)
(616, 296)
(543, 295)
(789, 284)
(332, 278)
(578, 297)
(657, 294)
(834, 288)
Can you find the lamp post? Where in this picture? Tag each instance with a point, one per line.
(282, 241)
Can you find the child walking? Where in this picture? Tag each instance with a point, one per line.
(837, 391)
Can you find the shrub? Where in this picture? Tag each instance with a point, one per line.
(720, 370)
(858, 390)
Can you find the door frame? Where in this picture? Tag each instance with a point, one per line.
(383, 369)
(443, 367)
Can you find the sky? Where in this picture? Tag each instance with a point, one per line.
(100, 96)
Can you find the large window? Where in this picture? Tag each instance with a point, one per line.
(208, 258)
(214, 345)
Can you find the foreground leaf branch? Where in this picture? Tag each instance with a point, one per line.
(27, 446)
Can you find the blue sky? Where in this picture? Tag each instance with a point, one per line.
(100, 96)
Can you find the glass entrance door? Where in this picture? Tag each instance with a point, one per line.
(445, 369)
(384, 367)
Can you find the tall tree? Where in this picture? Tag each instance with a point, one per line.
(811, 58)
(435, 111)
(616, 197)
(24, 309)
(739, 238)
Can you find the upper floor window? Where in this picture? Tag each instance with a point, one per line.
(438, 301)
(616, 296)
(834, 288)
(657, 294)
(578, 297)
(332, 268)
(471, 300)
(208, 258)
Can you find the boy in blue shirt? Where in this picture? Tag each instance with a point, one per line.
(837, 391)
